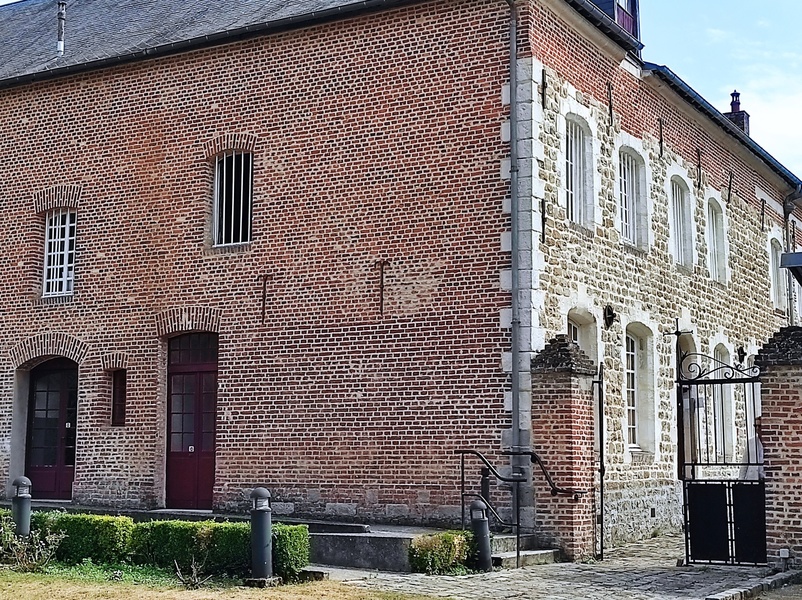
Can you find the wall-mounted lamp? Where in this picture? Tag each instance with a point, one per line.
(609, 316)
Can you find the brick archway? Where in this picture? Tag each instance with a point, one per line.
(47, 345)
(185, 319)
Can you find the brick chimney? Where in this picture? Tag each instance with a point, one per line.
(736, 115)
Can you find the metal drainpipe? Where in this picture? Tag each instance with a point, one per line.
(514, 241)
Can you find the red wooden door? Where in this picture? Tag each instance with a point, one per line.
(52, 414)
(192, 411)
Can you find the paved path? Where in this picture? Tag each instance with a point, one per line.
(642, 571)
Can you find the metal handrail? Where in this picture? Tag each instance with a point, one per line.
(555, 489)
(515, 480)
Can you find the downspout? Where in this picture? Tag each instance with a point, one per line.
(514, 238)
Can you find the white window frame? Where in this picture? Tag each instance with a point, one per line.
(722, 410)
(633, 198)
(779, 282)
(233, 198)
(628, 196)
(682, 229)
(573, 332)
(58, 277)
(578, 184)
(631, 392)
(716, 248)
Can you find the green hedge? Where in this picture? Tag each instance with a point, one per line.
(290, 550)
(444, 553)
(218, 547)
(221, 547)
(101, 538)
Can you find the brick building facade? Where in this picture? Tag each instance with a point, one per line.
(253, 245)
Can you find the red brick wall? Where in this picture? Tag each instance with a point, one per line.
(781, 434)
(377, 139)
(563, 434)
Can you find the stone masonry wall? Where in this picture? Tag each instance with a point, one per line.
(581, 269)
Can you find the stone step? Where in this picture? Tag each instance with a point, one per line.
(507, 560)
(505, 542)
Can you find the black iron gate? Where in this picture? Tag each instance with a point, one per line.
(720, 459)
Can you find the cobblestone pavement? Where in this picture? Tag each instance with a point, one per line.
(642, 571)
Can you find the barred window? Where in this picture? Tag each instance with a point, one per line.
(233, 191)
(59, 268)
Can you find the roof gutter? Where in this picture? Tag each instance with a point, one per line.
(240, 33)
(690, 95)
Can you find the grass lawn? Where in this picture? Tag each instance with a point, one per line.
(72, 584)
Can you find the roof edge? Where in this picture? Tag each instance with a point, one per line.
(695, 99)
(222, 37)
(607, 25)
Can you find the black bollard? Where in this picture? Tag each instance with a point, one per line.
(261, 534)
(21, 506)
(481, 535)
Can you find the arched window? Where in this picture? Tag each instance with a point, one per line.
(681, 223)
(632, 211)
(639, 388)
(578, 171)
(722, 424)
(778, 280)
(716, 257)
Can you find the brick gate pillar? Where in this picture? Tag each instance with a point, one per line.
(780, 363)
(563, 436)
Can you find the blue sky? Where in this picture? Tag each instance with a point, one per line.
(717, 46)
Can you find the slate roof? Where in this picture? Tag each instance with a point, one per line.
(100, 32)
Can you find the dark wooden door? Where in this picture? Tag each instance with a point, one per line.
(52, 414)
(192, 411)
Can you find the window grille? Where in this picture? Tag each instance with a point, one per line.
(233, 192)
(59, 269)
(628, 190)
(575, 170)
(631, 390)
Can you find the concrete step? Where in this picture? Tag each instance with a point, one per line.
(387, 549)
(507, 560)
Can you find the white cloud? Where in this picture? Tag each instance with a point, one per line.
(773, 105)
(717, 36)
